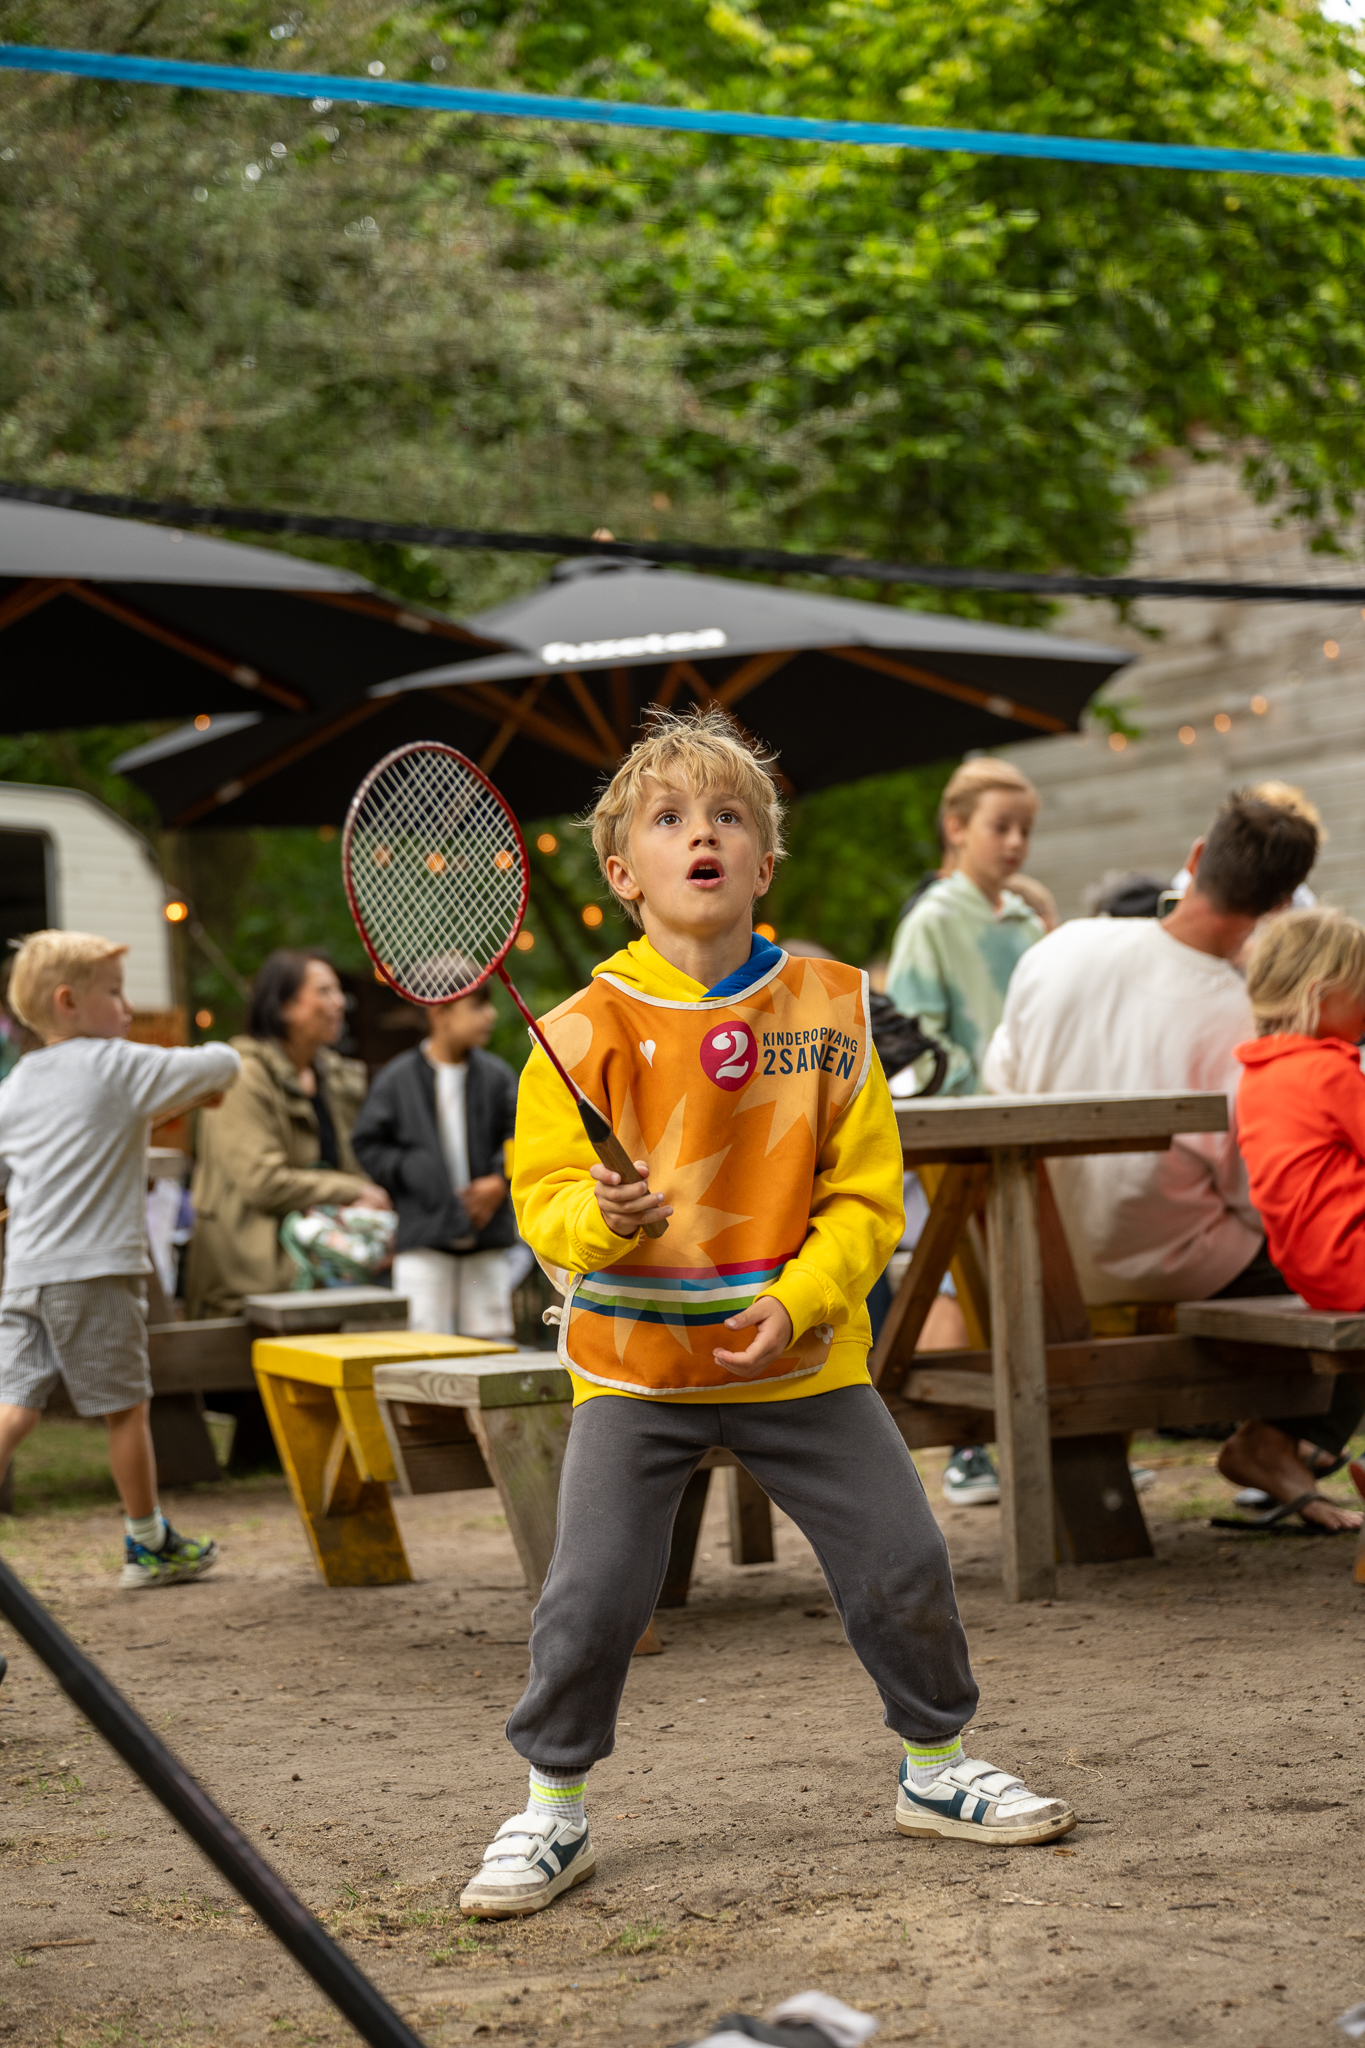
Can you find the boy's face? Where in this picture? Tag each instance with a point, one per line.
(693, 863)
(98, 1010)
(993, 843)
(455, 1027)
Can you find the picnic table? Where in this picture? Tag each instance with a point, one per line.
(989, 1151)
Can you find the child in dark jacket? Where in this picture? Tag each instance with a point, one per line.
(432, 1133)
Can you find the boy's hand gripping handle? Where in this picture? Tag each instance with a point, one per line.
(601, 1136)
(613, 1153)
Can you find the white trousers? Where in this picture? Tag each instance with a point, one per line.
(450, 1295)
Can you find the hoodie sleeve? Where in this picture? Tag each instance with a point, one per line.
(857, 1215)
(553, 1192)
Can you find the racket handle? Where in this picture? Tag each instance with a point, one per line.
(613, 1153)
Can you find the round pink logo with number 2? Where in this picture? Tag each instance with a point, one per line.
(729, 1055)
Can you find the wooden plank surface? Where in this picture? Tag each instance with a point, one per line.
(201, 1358)
(317, 1309)
(1272, 1319)
(1122, 1404)
(1028, 1559)
(343, 1360)
(944, 1125)
(522, 1379)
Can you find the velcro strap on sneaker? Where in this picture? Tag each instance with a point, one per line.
(986, 1778)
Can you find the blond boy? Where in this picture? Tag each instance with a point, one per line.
(74, 1116)
(745, 1084)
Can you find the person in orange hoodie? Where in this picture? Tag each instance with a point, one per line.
(1301, 1130)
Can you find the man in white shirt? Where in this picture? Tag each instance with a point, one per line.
(1137, 1005)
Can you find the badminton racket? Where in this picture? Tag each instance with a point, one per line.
(437, 879)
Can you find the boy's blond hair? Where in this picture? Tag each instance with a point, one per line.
(969, 783)
(701, 749)
(1295, 960)
(44, 962)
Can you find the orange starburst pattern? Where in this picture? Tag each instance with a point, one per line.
(814, 1005)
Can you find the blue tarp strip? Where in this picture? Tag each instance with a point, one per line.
(534, 106)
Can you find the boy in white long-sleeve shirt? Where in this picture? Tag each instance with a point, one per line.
(74, 1117)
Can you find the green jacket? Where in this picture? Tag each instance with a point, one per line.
(951, 964)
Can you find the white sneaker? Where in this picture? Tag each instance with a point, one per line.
(970, 1479)
(975, 1801)
(529, 1861)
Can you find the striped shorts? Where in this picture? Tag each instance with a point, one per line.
(90, 1333)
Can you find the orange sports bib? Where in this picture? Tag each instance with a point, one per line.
(730, 1100)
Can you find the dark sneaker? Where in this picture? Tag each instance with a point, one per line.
(970, 1479)
(180, 1557)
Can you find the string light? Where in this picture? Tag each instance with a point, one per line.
(1187, 735)
(202, 722)
(524, 941)
(326, 832)
(1330, 649)
(592, 916)
(547, 843)
(766, 931)
(1222, 722)
(203, 1018)
(1118, 741)
(1260, 705)
(177, 912)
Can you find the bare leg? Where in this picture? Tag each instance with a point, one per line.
(15, 1425)
(132, 1459)
(1260, 1455)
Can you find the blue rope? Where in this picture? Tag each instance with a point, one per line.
(535, 106)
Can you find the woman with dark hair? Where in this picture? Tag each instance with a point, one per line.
(282, 1139)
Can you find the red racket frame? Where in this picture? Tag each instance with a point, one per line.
(494, 966)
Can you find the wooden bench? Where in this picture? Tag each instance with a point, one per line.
(318, 1393)
(504, 1422)
(1273, 1329)
(1056, 1399)
(190, 1360)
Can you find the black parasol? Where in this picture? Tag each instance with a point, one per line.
(103, 621)
(839, 688)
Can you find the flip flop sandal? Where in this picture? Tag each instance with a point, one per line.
(1277, 1522)
(1324, 1464)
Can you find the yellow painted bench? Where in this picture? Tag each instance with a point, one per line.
(318, 1393)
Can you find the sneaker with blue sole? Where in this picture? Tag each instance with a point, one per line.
(975, 1802)
(180, 1557)
(529, 1862)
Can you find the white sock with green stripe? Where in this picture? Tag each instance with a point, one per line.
(148, 1530)
(558, 1795)
(924, 1760)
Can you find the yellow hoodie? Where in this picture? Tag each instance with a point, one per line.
(826, 1151)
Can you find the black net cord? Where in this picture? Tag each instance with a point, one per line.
(186, 1801)
(777, 561)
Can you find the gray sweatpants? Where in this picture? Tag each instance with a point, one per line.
(835, 1463)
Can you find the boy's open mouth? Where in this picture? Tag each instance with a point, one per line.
(706, 871)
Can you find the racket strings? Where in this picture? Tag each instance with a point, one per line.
(437, 870)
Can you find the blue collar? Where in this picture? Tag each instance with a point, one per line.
(763, 957)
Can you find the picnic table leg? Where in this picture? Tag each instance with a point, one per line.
(751, 1518)
(1020, 1360)
(349, 1520)
(523, 1448)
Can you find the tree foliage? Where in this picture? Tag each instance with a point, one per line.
(955, 358)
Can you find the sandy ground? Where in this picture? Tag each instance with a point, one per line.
(1202, 1711)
